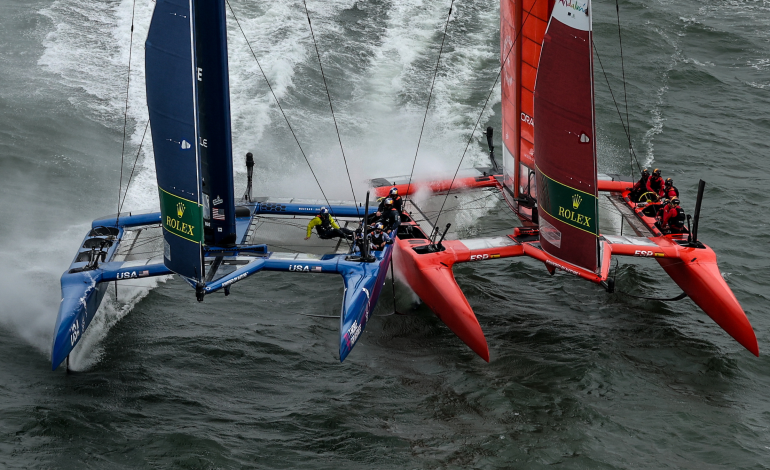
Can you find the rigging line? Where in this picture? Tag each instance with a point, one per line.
(430, 96)
(279, 106)
(620, 116)
(492, 90)
(625, 95)
(120, 208)
(125, 111)
(334, 118)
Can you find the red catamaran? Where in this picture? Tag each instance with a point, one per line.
(550, 180)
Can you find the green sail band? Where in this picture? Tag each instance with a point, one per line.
(569, 205)
(181, 217)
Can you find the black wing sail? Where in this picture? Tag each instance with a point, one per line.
(214, 125)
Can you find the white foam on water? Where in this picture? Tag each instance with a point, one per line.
(89, 350)
(30, 290)
(88, 52)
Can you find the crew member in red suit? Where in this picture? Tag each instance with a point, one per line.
(655, 183)
(673, 218)
(670, 191)
(640, 187)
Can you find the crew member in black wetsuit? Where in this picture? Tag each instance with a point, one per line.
(327, 227)
(640, 187)
(390, 219)
(398, 203)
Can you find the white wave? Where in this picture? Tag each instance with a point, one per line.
(87, 53)
(90, 349)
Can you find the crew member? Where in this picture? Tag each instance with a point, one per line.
(655, 184)
(398, 203)
(662, 209)
(673, 217)
(327, 227)
(669, 190)
(390, 219)
(640, 187)
(379, 238)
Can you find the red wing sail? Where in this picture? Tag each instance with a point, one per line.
(522, 27)
(564, 138)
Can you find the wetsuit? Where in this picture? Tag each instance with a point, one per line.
(655, 185)
(639, 188)
(398, 203)
(379, 240)
(674, 217)
(391, 220)
(327, 228)
(670, 192)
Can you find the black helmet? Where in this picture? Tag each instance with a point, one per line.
(656, 172)
(669, 181)
(645, 172)
(675, 201)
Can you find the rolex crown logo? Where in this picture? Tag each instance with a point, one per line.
(180, 209)
(576, 200)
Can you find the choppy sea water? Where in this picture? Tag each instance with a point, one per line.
(577, 379)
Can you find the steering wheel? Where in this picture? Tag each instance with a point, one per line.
(649, 196)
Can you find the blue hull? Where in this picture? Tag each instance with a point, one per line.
(83, 287)
(363, 284)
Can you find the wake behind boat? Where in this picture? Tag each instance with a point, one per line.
(200, 233)
(549, 179)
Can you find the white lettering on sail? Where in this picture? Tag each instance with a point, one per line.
(200, 74)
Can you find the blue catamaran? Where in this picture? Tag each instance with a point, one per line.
(201, 232)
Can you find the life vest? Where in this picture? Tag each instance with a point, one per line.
(326, 222)
(674, 218)
(670, 192)
(678, 219)
(377, 238)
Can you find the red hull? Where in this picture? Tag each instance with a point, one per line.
(694, 269)
(435, 284)
(700, 278)
(430, 277)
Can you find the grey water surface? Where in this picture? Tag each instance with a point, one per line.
(578, 378)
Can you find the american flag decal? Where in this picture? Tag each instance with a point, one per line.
(316, 269)
(217, 214)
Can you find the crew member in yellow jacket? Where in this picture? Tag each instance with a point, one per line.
(327, 227)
